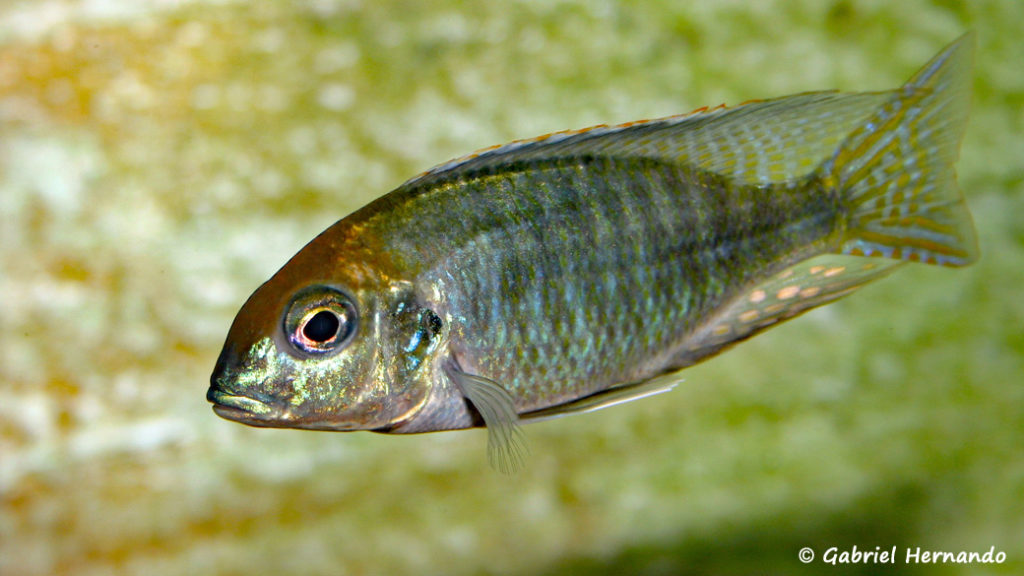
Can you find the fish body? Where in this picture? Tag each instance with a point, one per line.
(586, 268)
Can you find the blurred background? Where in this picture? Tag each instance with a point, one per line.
(159, 159)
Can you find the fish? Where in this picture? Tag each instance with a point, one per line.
(582, 269)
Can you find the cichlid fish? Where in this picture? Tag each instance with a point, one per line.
(586, 268)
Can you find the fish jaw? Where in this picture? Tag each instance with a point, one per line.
(265, 389)
(252, 412)
(239, 408)
(235, 396)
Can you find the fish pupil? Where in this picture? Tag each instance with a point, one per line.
(322, 326)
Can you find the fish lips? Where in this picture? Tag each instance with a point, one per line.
(233, 406)
(238, 407)
(241, 408)
(253, 408)
(253, 412)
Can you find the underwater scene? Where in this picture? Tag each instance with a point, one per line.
(160, 160)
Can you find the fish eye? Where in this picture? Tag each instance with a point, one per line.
(320, 320)
(322, 326)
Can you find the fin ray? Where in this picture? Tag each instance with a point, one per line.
(758, 142)
(505, 446)
(896, 171)
(606, 398)
(795, 290)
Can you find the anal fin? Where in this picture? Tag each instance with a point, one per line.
(792, 292)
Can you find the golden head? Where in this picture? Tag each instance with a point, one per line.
(327, 344)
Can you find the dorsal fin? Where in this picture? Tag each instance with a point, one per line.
(759, 142)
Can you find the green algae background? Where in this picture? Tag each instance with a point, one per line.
(160, 159)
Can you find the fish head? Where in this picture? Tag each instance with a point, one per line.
(346, 350)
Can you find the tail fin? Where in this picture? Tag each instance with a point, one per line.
(895, 171)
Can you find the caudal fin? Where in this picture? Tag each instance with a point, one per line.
(895, 172)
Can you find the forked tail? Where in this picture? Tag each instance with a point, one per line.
(895, 172)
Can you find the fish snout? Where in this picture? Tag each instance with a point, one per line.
(228, 403)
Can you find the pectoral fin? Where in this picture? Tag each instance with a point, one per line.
(505, 447)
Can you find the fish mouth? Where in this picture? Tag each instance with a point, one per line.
(240, 408)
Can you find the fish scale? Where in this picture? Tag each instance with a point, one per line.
(584, 268)
(618, 222)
